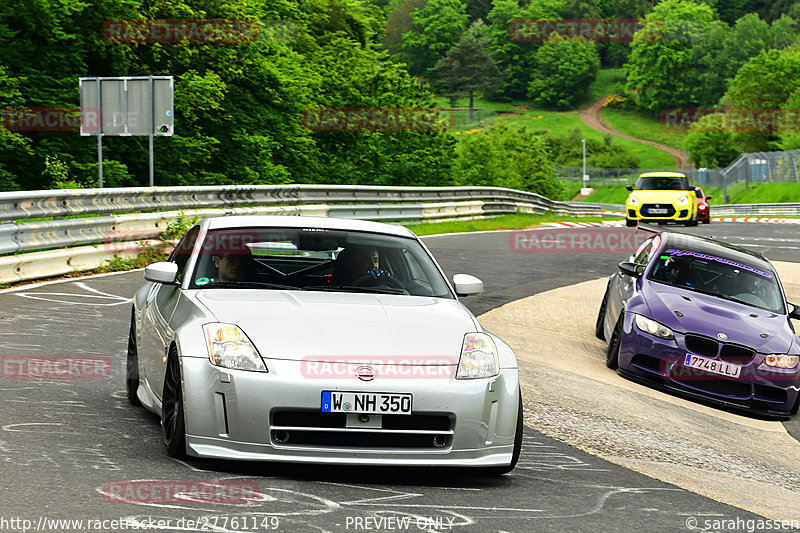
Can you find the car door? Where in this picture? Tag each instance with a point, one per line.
(160, 305)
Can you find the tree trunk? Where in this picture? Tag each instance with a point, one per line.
(471, 107)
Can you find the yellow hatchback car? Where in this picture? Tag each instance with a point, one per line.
(662, 197)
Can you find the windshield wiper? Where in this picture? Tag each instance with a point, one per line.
(249, 285)
(348, 288)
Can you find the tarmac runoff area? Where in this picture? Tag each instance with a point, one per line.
(570, 395)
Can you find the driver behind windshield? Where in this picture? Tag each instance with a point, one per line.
(355, 262)
(233, 266)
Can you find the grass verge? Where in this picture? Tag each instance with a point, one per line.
(505, 222)
(643, 126)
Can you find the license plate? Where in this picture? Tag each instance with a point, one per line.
(658, 211)
(367, 403)
(712, 365)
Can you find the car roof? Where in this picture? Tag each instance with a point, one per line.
(662, 175)
(278, 221)
(717, 248)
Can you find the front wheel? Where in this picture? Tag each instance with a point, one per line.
(173, 427)
(500, 470)
(132, 365)
(612, 355)
(630, 223)
(599, 326)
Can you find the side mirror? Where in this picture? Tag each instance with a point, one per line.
(795, 312)
(629, 188)
(162, 272)
(709, 197)
(631, 269)
(467, 285)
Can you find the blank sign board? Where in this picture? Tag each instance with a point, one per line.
(127, 106)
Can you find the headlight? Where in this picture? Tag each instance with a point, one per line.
(782, 360)
(478, 357)
(701, 207)
(654, 328)
(229, 347)
(683, 200)
(633, 200)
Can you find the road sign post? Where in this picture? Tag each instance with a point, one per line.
(127, 106)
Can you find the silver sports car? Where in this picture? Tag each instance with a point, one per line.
(320, 340)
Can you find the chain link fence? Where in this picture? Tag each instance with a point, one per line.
(752, 168)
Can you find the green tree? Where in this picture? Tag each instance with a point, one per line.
(399, 22)
(507, 155)
(437, 27)
(514, 58)
(468, 67)
(765, 82)
(660, 70)
(563, 70)
(710, 142)
(789, 135)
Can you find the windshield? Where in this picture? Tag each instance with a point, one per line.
(316, 259)
(660, 183)
(719, 276)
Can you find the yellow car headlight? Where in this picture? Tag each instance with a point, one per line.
(229, 347)
(632, 200)
(682, 201)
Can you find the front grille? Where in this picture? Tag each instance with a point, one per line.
(670, 211)
(313, 428)
(738, 355)
(702, 345)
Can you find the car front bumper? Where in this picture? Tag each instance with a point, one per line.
(276, 416)
(673, 212)
(660, 363)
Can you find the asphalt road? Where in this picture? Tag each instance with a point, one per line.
(65, 444)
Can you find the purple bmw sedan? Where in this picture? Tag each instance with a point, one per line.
(706, 320)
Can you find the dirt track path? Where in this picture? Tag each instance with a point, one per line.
(592, 117)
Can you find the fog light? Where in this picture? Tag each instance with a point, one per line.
(440, 441)
(280, 436)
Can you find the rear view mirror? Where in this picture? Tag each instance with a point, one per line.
(466, 285)
(161, 272)
(631, 269)
(629, 188)
(795, 312)
(709, 197)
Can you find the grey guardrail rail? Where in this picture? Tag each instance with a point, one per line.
(46, 233)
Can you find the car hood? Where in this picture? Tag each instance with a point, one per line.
(655, 197)
(303, 324)
(709, 316)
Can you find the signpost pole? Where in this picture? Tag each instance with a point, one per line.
(99, 139)
(152, 126)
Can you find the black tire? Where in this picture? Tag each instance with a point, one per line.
(707, 220)
(612, 355)
(630, 223)
(692, 222)
(599, 329)
(173, 428)
(132, 365)
(500, 470)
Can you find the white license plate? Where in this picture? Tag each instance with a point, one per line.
(367, 403)
(658, 211)
(712, 365)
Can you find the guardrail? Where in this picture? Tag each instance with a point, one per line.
(108, 222)
(112, 221)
